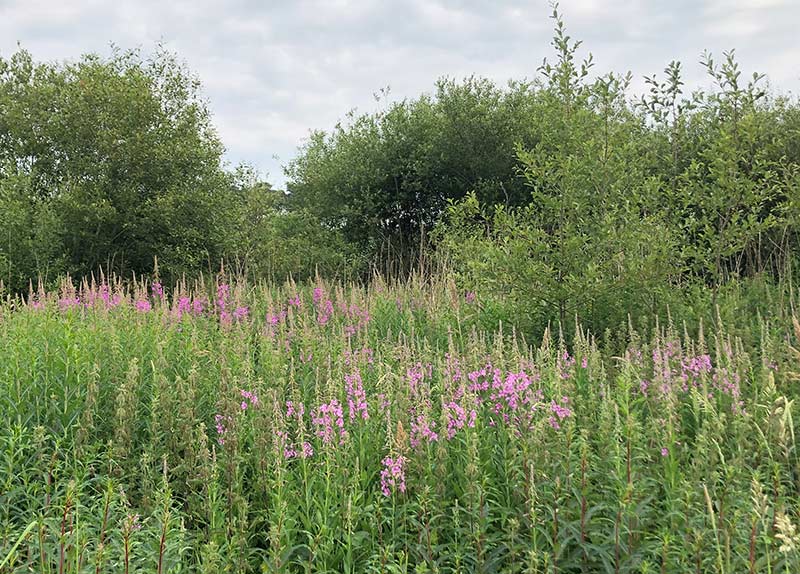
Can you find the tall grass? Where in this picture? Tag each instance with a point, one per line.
(328, 428)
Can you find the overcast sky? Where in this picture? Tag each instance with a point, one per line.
(273, 70)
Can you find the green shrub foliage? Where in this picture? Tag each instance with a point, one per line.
(631, 200)
(567, 193)
(117, 162)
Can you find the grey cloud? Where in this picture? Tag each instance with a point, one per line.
(273, 71)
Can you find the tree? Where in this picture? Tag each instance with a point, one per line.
(122, 153)
(586, 242)
(386, 177)
(270, 240)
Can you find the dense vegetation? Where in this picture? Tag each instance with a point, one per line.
(566, 194)
(114, 164)
(541, 327)
(247, 428)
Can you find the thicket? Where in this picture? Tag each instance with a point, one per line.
(562, 195)
(567, 194)
(114, 164)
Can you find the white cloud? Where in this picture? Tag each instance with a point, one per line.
(272, 71)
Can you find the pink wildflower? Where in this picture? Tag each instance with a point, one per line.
(457, 418)
(183, 307)
(250, 397)
(328, 418)
(393, 475)
(198, 305)
(422, 428)
(223, 290)
(561, 412)
(291, 409)
(324, 314)
(222, 430)
(356, 397)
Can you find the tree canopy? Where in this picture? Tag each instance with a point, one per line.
(107, 162)
(566, 194)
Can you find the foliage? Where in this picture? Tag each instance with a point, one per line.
(585, 244)
(116, 162)
(30, 245)
(566, 193)
(632, 204)
(319, 427)
(578, 270)
(273, 240)
(385, 178)
(729, 171)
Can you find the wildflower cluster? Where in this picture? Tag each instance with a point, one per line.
(393, 475)
(328, 420)
(355, 430)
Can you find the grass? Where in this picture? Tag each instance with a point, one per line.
(329, 428)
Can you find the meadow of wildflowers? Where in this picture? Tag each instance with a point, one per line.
(328, 428)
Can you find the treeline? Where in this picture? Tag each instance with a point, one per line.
(568, 195)
(558, 196)
(114, 164)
